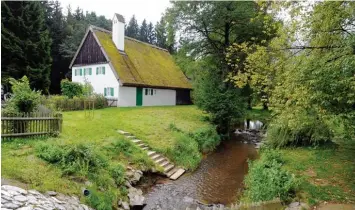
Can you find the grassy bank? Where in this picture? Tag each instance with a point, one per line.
(323, 173)
(326, 173)
(91, 149)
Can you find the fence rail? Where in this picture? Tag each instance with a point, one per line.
(30, 124)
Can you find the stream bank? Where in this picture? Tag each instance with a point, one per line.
(216, 183)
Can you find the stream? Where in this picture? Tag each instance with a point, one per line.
(218, 180)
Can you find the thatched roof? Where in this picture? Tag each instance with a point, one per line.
(141, 64)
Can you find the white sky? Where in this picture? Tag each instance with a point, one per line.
(148, 9)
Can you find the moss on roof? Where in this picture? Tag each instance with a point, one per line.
(143, 64)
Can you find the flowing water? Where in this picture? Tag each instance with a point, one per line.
(218, 179)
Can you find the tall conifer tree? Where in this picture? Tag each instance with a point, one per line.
(143, 32)
(26, 43)
(132, 29)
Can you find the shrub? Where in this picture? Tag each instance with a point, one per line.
(99, 100)
(81, 159)
(71, 89)
(224, 102)
(117, 172)
(299, 127)
(207, 138)
(63, 103)
(73, 159)
(185, 151)
(49, 152)
(267, 180)
(24, 99)
(88, 89)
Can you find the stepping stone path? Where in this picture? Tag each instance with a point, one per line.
(170, 170)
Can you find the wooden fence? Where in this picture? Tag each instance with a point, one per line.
(29, 124)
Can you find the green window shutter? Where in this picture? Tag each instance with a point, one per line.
(74, 72)
(112, 91)
(90, 70)
(105, 92)
(103, 70)
(97, 70)
(81, 72)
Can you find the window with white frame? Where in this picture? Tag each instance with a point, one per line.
(100, 70)
(78, 72)
(87, 71)
(109, 91)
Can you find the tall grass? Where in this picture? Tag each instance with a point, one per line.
(267, 180)
(189, 146)
(83, 162)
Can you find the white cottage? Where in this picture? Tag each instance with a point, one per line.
(128, 72)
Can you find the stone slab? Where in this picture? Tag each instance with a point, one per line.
(177, 174)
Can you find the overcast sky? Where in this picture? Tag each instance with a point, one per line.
(150, 10)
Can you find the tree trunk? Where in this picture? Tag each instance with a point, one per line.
(249, 103)
(265, 106)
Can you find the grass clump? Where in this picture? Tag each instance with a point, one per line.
(101, 200)
(117, 172)
(189, 145)
(84, 162)
(206, 138)
(124, 147)
(72, 159)
(185, 151)
(267, 180)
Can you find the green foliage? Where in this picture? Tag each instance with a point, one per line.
(132, 29)
(131, 151)
(64, 103)
(50, 152)
(88, 89)
(24, 99)
(206, 138)
(100, 200)
(311, 81)
(267, 180)
(298, 127)
(185, 151)
(80, 159)
(117, 172)
(25, 43)
(71, 89)
(221, 100)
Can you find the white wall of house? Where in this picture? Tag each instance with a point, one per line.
(160, 97)
(98, 81)
(127, 96)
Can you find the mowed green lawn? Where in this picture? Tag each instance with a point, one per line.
(150, 124)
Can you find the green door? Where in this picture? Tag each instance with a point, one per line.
(139, 96)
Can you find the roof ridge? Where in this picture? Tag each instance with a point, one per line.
(130, 38)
